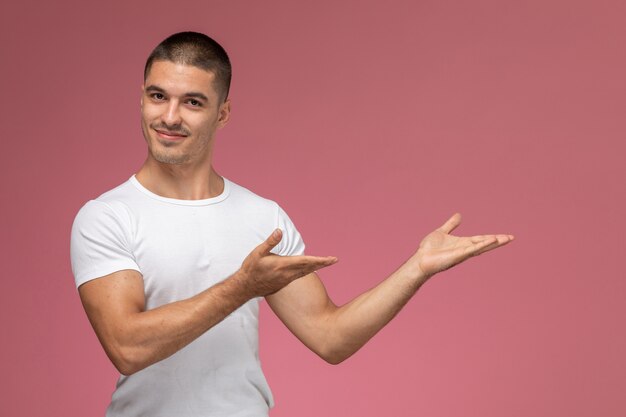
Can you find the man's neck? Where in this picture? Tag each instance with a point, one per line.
(182, 182)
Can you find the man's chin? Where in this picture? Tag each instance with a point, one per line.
(169, 158)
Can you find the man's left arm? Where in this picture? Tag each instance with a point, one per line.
(335, 333)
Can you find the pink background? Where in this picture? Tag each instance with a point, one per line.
(370, 123)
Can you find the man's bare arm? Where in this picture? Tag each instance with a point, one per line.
(134, 338)
(335, 333)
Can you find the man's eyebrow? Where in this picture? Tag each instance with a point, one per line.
(193, 94)
(155, 88)
(197, 95)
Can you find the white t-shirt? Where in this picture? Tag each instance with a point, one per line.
(182, 247)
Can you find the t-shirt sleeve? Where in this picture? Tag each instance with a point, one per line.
(100, 243)
(291, 244)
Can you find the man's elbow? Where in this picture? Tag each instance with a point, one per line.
(125, 360)
(334, 357)
(125, 368)
(335, 360)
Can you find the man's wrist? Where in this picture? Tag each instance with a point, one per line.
(413, 272)
(242, 286)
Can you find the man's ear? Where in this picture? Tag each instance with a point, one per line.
(224, 113)
(143, 87)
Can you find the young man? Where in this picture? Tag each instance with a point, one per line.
(171, 264)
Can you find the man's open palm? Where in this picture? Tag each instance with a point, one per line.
(440, 250)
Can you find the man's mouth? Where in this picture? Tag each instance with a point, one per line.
(170, 135)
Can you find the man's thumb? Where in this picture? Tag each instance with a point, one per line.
(272, 241)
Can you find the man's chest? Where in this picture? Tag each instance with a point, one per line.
(180, 256)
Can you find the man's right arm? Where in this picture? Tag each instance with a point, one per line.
(134, 338)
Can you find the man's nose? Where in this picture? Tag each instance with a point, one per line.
(172, 114)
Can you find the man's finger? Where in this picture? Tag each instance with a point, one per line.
(269, 243)
(308, 261)
(501, 241)
(475, 248)
(451, 224)
(327, 261)
(480, 238)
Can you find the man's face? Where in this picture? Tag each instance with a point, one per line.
(180, 112)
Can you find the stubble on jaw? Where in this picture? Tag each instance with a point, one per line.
(170, 159)
(166, 157)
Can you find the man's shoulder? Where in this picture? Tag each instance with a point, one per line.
(113, 202)
(241, 194)
(120, 193)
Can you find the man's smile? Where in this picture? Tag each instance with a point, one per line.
(166, 134)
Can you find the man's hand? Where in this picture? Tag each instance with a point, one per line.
(263, 273)
(439, 250)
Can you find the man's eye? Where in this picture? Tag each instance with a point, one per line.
(158, 96)
(195, 103)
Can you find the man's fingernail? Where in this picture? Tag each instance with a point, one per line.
(276, 233)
